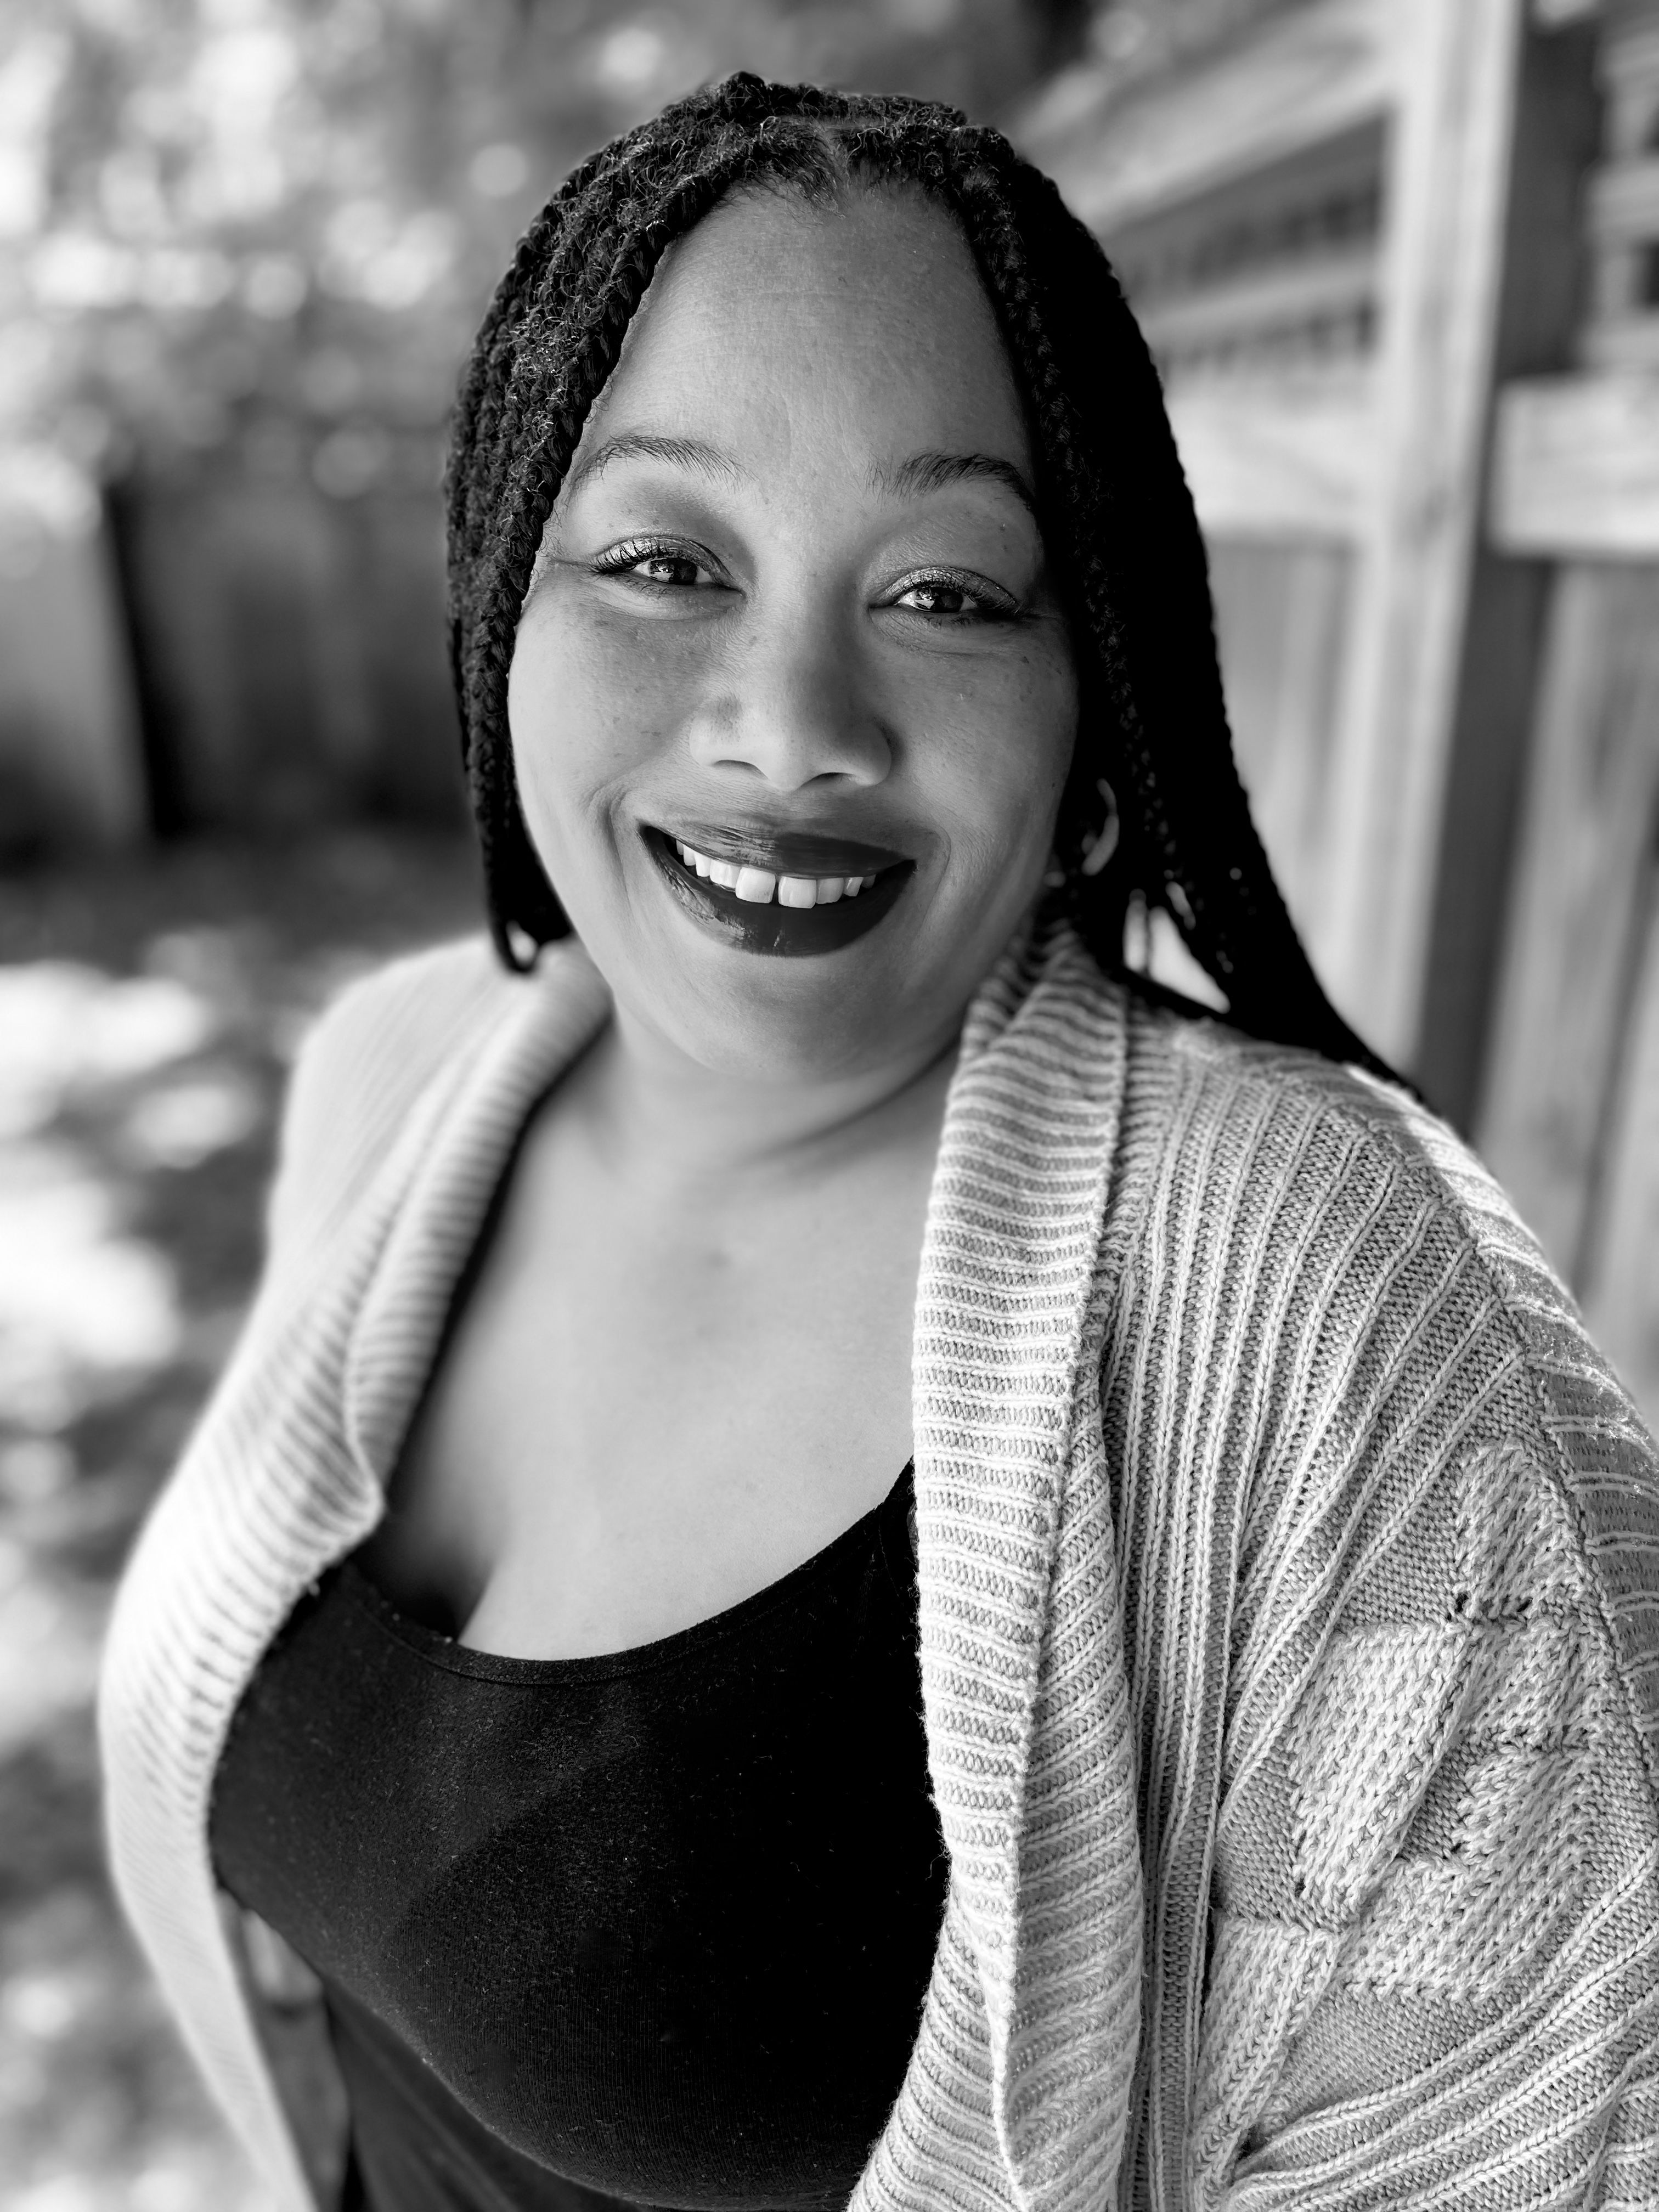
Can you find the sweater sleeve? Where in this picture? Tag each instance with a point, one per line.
(1434, 1967)
(1390, 1538)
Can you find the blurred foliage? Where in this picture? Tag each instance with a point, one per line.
(150, 1009)
(1132, 38)
(271, 225)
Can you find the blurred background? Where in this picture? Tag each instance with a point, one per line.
(1400, 262)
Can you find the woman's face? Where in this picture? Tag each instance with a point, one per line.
(791, 700)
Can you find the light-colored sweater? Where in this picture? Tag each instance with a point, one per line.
(1290, 1608)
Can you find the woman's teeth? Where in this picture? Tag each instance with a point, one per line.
(759, 886)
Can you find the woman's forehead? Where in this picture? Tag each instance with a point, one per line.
(860, 326)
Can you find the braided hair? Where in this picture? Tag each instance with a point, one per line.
(1117, 517)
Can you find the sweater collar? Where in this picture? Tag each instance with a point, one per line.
(453, 1157)
(1024, 1681)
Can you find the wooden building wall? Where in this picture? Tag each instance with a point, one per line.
(1399, 260)
(1570, 1117)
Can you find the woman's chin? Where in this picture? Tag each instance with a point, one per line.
(790, 1030)
(747, 989)
(773, 1021)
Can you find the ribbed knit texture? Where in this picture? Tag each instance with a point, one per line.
(1290, 1607)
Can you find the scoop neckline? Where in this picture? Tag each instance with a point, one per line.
(455, 1657)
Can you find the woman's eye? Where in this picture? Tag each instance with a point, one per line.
(670, 568)
(954, 599)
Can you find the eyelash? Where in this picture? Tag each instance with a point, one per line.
(997, 610)
(634, 552)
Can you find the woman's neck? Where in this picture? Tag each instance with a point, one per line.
(664, 1117)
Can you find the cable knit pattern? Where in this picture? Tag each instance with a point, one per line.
(1290, 1608)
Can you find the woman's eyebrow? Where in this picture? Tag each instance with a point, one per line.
(933, 472)
(643, 445)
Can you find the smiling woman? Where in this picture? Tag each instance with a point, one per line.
(803, 570)
(851, 1557)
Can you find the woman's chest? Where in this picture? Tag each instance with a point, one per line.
(619, 1918)
(642, 1414)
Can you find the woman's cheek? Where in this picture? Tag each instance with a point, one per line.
(584, 701)
(565, 728)
(1007, 757)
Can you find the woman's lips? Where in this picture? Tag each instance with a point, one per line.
(787, 894)
(785, 851)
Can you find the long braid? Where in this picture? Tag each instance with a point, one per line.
(1116, 512)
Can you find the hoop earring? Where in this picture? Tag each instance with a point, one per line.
(1099, 848)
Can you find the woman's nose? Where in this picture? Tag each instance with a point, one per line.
(791, 705)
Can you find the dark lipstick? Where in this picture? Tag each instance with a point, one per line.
(790, 931)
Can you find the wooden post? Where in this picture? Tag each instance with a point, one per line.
(1571, 1113)
(1447, 175)
(1576, 932)
(70, 756)
(1621, 1294)
(1557, 133)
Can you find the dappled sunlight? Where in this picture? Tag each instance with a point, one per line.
(147, 1022)
(80, 1305)
(67, 1030)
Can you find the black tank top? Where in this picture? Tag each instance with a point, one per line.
(656, 1925)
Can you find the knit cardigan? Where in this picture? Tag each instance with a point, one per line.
(1289, 1571)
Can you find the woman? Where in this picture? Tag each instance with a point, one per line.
(530, 1639)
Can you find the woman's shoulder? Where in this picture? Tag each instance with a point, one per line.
(1269, 1149)
(1361, 1238)
(374, 1054)
(1304, 1139)
(1325, 1243)
(404, 1012)
(1198, 1099)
